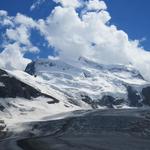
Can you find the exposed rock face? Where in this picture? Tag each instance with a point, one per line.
(30, 68)
(146, 95)
(106, 100)
(89, 101)
(2, 127)
(2, 107)
(133, 97)
(14, 88)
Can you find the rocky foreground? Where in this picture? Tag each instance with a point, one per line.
(111, 129)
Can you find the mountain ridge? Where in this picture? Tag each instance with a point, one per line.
(49, 87)
(117, 81)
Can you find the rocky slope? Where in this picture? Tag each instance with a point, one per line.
(26, 98)
(12, 88)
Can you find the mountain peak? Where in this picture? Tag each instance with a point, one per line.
(86, 78)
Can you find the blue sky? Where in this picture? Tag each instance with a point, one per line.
(77, 28)
(132, 16)
(23, 7)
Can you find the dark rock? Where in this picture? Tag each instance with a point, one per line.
(15, 88)
(107, 101)
(133, 97)
(89, 101)
(118, 101)
(30, 68)
(86, 99)
(146, 95)
(51, 102)
(2, 107)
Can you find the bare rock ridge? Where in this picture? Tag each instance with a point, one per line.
(13, 88)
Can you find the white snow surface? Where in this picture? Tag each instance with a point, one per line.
(88, 78)
(67, 82)
(2, 84)
(24, 110)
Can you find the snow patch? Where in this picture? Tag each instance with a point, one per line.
(2, 84)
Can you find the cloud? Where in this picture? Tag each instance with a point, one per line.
(64, 3)
(3, 13)
(15, 40)
(36, 4)
(91, 35)
(73, 34)
(53, 58)
(96, 5)
(5, 20)
(68, 3)
(12, 57)
(20, 34)
(26, 21)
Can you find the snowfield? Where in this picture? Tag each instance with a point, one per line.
(79, 85)
(85, 77)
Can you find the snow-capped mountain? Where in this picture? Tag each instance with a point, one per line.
(87, 82)
(49, 87)
(26, 98)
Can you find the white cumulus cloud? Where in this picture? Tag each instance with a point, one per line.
(69, 3)
(36, 4)
(91, 35)
(96, 5)
(16, 40)
(12, 57)
(74, 34)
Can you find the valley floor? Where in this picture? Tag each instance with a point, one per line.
(103, 141)
(122, 129)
